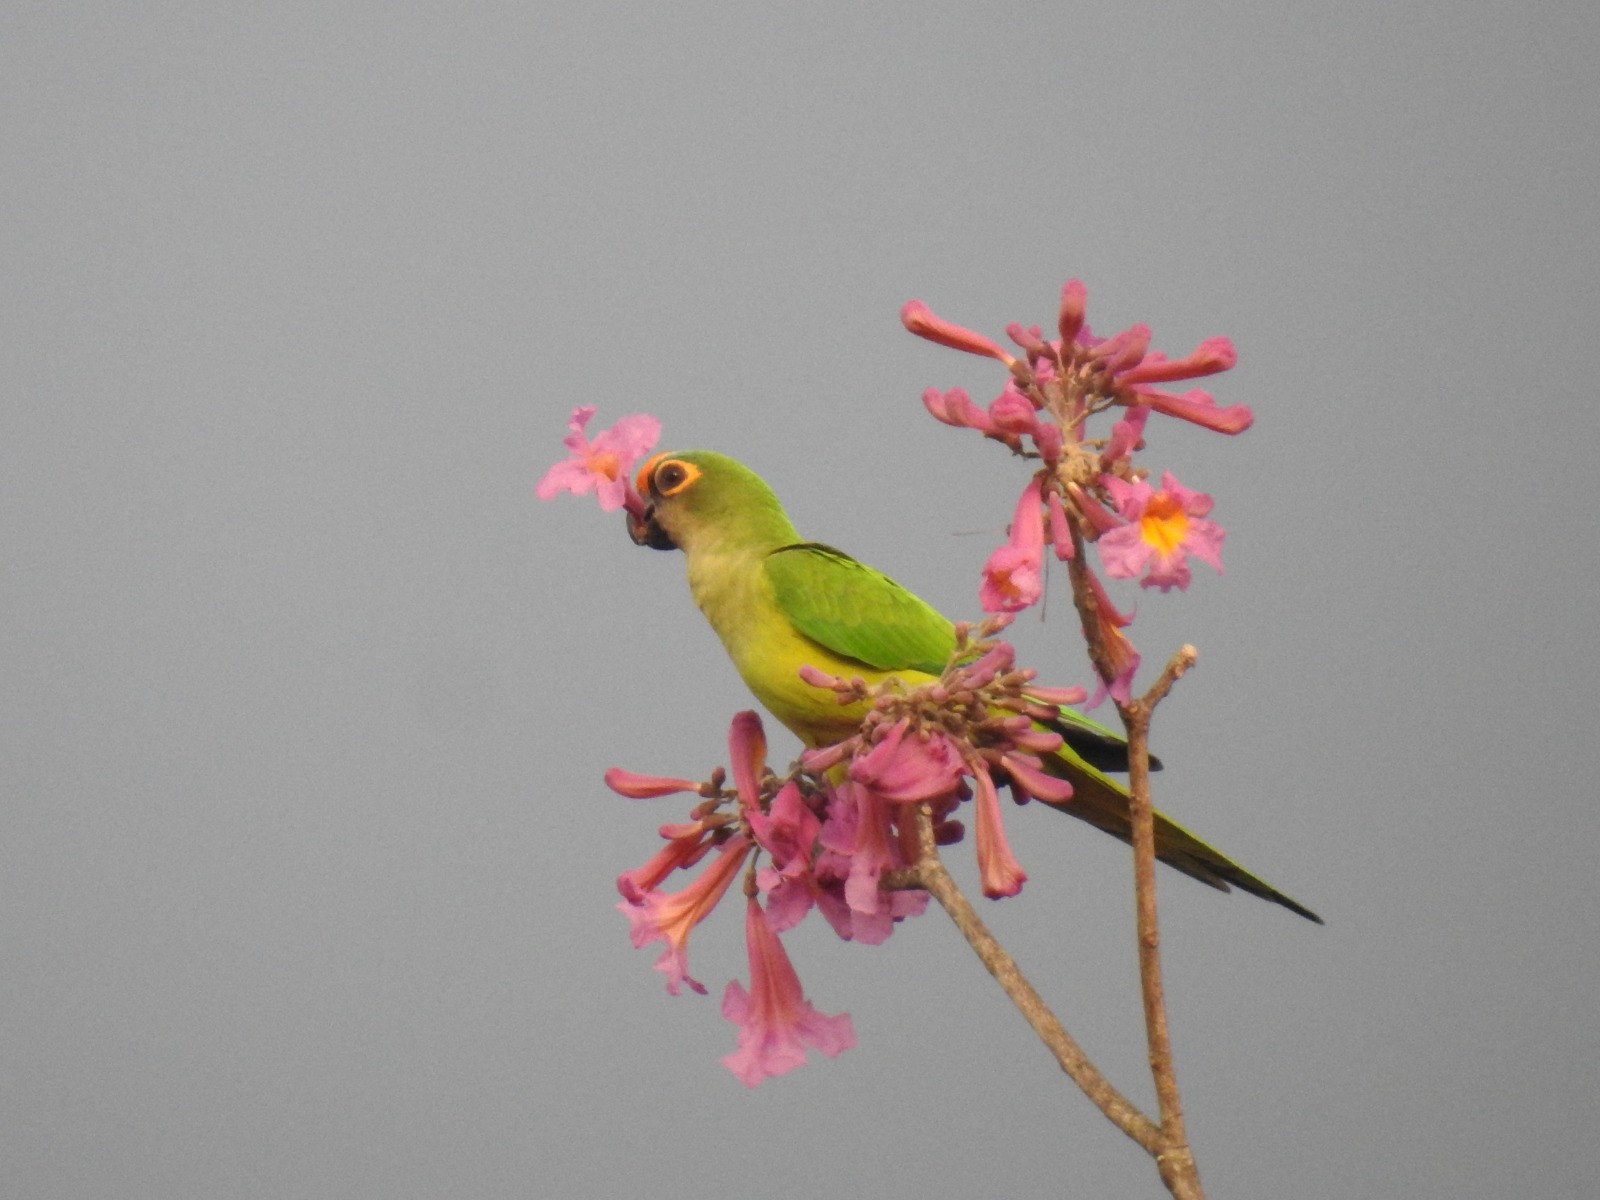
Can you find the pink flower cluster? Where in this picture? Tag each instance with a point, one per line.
(835, 831)
(1089, 489)
(776, 1022)
(605, 465)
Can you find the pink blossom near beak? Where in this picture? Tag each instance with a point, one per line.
(605, 465)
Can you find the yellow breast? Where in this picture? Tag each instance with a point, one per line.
(734, 593)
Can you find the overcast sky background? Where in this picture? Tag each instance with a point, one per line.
(306, 868)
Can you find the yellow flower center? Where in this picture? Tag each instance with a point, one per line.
(605, 463)
(1164, 524)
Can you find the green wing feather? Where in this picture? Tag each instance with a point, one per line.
(857, 612)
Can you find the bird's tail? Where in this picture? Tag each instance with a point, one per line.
(1103, 803)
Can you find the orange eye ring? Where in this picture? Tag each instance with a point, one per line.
(641, 481)
(667, 476)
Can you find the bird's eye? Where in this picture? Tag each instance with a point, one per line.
(674, 475)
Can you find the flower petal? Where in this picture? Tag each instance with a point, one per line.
(916, 317)
(776, 1022)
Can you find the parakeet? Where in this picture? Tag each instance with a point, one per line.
(779, 603)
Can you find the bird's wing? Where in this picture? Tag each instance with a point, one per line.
(857, 612)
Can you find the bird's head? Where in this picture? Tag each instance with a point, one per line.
(694, 498)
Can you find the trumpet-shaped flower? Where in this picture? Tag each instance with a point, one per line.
(1164, 528)
(646, 787)
(1013, 412)
(671, 918)
(858, 846)
(686, 845)
(747, 754)
(998, 869)
(956, 408)
(1209, 357)
(1013, 578)
(1060, 531)
(1199, 408)
(776, 1021)
(1028, 778)
(1127, 435)
(910, 770)
(872, 852)
(788, 834)
(605, 465)
(918, 319)
(1122, 658)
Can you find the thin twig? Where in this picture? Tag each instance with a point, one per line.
(931, 875)
(1174, 1158)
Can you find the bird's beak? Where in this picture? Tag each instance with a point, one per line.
(647, 531)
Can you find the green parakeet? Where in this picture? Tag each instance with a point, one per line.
(779, 603)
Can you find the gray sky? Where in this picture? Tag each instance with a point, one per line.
(306, 869)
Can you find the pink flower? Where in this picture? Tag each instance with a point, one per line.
(1199, 408)
(789, 831)
(776, 1022)
(1013, 412)
(1028, 777)
(671, 918)
(604, 465)
(1074, 307)
(1210, 357)
(916, 317)
(1024, 738)
(1050, 441)
(998, 869)
(1031, 339)
(873, 851)
(1109, 624)
(859, 844)
(1121, 351)
(686, 845)
(1092, 511)
(1126, 436)
(1013, 578)
(1060, 531)
(747, 755)
(788, 834)
(906, 770)
(1010, 417)
(646, 787)
(956, 408)
(1164, 528)
(981, 672)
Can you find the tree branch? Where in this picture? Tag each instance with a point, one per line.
(1174, 1158)
(931, 875)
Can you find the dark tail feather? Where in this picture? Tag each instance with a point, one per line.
(1103, 749)
(1103, 803)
